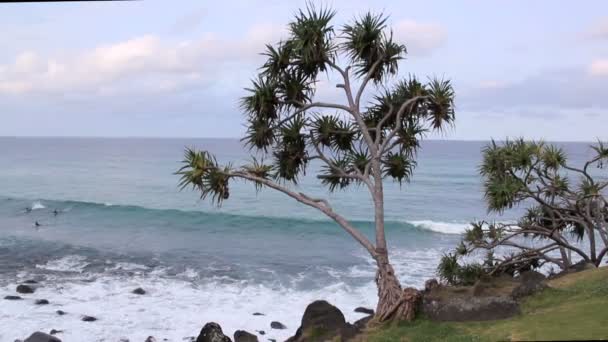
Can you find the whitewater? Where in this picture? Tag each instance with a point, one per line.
(121, 223)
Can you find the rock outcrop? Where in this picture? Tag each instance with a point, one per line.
(244, 336)
(212, 332)
(41, 337)
(530, 283)
(323, 321)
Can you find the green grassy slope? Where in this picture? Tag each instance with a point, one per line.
(575, 307)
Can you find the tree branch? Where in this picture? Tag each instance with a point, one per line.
(315, 203)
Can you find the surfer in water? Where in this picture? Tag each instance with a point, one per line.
(37, 224)
(55, 212)
(28, 210)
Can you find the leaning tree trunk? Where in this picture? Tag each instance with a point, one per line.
(394, 303)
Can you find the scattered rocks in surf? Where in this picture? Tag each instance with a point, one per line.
(41, 302)
(258, 314)
(277, 325)
(139, 291)
(25, 289)
(41, 337)
(13, 298)
(243, 336)
(212, 332)
(60, 312)
(364, 310)
(88, 319)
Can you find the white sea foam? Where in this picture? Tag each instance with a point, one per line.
(171, 309)
(174, 308)
(70, 263)
(442, 227)
(37, 205)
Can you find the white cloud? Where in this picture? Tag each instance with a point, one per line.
(599, 67)
(420, 38)
(599, 31)
(146, 61)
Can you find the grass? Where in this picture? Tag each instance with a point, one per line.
(575, 307)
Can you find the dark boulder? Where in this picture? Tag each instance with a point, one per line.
(364, 311)
(323, 321)
(277, 325)
(243, 336)
(55, 332)
(261, 332)
(430, 285)
(469, 308)
(139, 291)
(212, 332)
(60, 312)
(150, 339)
(362, 323)
(30, 281)
(25, 289)
(41, 302)
(41, 337)
(13, 298)
(258, 314)
(530, 283)
(88, 319)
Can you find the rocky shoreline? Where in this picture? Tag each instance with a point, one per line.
(488, 299)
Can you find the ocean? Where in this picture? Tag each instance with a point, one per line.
(122, 223)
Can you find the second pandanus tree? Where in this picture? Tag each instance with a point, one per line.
(368, 138)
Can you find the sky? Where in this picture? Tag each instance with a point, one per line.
(157, 68)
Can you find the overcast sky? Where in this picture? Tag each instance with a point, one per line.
(537, 69)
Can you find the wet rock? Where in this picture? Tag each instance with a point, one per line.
(258, 314)
(12, 298)
(364, 310)
(261, 332)
(243, 336)
(530, 283)
(272, 340)
(41, 337)
(189, 338)
(139, 291)
(277, 325)
(123, 340)
(60, 312)
(362, 323)
(430, 285)
(88, 319)
(212, 332)
(55, 332)
(150, 339)
(30, 281)
(322, 321)
(25, 289)
(41, 302)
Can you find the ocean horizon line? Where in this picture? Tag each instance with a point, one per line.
(238, 138)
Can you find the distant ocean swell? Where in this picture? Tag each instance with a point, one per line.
(196, 267)
(193, 217)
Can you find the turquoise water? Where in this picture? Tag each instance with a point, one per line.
(121, 221)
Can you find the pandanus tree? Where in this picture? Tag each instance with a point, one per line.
(364, 140)
(566, 211)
